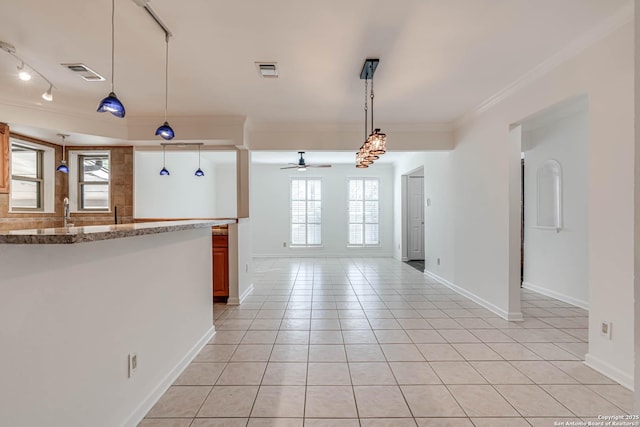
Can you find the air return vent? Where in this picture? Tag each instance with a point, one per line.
(85, 72)
(267, 69)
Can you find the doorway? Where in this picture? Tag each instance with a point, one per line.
(413, 219)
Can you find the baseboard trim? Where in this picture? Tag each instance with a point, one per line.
(241, 298)
(510, 316)
(624, 378)
(556, 295)
(295, 254)
(136, 417)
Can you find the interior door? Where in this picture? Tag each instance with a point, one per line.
(415, 209)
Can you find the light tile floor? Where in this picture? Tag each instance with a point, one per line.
(351, 342)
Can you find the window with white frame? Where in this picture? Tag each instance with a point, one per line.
(93, 182)
(27, 182)
(364, 212)
(306, 211)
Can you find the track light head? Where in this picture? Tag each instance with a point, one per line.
(23, 74)
(48, 95)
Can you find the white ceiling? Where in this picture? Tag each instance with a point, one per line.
(438, 58)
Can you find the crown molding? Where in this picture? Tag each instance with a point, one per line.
(594, 35)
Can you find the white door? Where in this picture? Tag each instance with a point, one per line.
(416, 218)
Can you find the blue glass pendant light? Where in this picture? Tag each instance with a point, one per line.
(164, 170)
(165, 131)
(199, 172)
(111, 103)
(62, 167)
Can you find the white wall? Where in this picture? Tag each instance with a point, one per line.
(556, 263)
(438, 227)
(240, 261)
(482, 206)
(182, 194)
(225, 190)
(637, 209)
(270, 192)
(71, 314)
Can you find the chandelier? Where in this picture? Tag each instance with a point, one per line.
(375, 143)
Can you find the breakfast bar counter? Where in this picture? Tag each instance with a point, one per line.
(77, 303)
(67, 235)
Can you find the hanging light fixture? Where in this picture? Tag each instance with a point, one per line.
(363, 159)
(63, 164)
(376, 143)
(199, 172)
(111, 103)
(377, 140)
(164, 130)
(164, 170)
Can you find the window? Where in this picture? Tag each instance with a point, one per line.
(27, 186)
(93, 182)
(364, 211)
(306, 212)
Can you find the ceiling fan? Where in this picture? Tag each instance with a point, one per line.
(302, 166)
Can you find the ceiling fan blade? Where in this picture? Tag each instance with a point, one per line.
(318, 166)
(290, 167)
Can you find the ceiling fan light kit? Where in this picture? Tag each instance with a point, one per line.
(375, 143)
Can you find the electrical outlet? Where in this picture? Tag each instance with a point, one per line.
(438, 261)
(133, 364)
(605, 330)
(284, 244)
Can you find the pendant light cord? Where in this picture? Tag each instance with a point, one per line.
(198, 157)
(372, 96)
(164, 152)
(113, 40)
(366, 106)
(166, 78)
(63, 146)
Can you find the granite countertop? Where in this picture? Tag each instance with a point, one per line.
(101, 232)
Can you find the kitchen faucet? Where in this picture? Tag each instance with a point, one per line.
(67, 211)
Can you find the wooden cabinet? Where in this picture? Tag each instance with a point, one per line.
(4, 158)
(220, 250)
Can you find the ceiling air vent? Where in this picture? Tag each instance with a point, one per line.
(85, 72)
(267, 69)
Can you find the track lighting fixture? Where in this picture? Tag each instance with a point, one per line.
(63, 164)
(24, 69)
(111, 103)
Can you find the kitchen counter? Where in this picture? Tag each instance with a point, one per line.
(94, 233)
(71, 315)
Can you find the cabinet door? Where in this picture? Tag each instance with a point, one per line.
(220, 273)
(4, 158)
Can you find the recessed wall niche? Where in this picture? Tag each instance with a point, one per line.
(549, 185)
